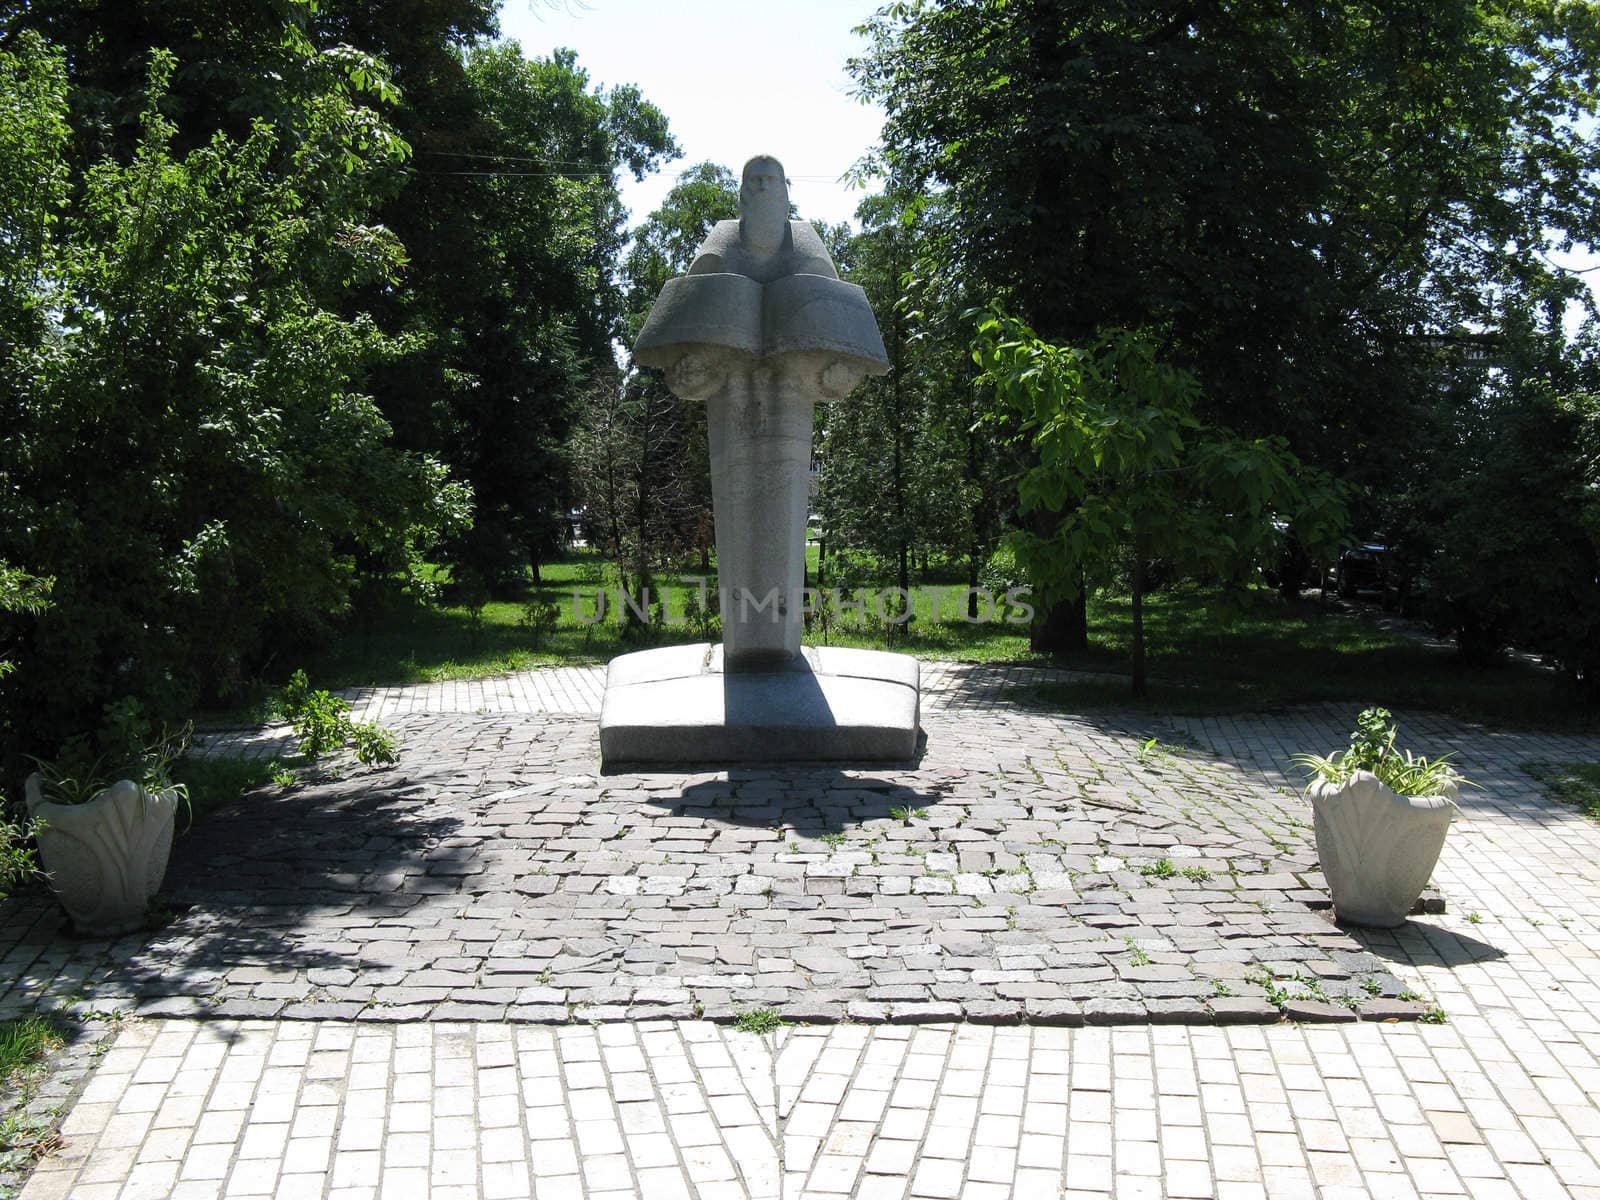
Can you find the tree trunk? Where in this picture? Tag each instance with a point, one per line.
(1063, 628)
(972, 583)
(1294, 564)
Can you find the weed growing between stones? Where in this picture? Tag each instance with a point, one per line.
(758, 1021)
(322, 723)
(24, 1041)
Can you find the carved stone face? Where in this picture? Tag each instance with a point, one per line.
(763, 205)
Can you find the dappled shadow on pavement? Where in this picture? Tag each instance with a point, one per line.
(1030, 866)
(257, 895)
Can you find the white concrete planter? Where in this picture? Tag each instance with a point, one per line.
(1378, 848)
(106, 858)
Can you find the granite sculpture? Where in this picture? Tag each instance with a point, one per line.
(761, 329)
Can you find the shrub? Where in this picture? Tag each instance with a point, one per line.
(540, 618)
(322, 724)
(17, 862)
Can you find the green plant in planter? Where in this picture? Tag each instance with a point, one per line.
(105, 826)
(79, 775)
(1380, 816)
(1372, 749)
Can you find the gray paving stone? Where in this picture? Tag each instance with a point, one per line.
(1115, 1012)
(1236, 1010)
(1384, 1009)
(1317, 1010)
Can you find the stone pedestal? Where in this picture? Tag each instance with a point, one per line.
(678, 705)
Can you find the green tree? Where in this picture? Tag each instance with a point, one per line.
(665, 243)
(1500, 520)
(1301, 199)
(516, 228)
(894, 483)
(1120, 452)
(641, 453)
(189, 455)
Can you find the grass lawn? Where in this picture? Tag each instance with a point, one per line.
(1261, 652)
(419, 644)
(1208, 652)
(1575, 783)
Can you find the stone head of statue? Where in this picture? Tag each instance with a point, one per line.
(763, 205)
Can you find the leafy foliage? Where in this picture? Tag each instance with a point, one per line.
(759, 1021)
(640, 454)
(1372, 749)
(189, 455)
(1323, 211)
(18, 862)
(80, 774)
(1292, 195)
(540, 618)
(1501, 525)
(264, 273)
(1119, 453)
(515, 227)
(322, 724)
(905, 474)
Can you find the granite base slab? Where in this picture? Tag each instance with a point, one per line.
(677, 705)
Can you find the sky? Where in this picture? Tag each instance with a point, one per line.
(736, 78)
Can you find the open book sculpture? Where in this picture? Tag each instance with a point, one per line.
(760, 330)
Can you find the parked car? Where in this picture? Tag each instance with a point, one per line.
(1363, 568)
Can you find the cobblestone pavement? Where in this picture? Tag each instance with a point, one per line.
(1031, 865)
(1499, 1101)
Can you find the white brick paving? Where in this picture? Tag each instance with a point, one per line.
(198, 1110)
(1499, 1102)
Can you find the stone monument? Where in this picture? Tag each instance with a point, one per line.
(760, 330)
